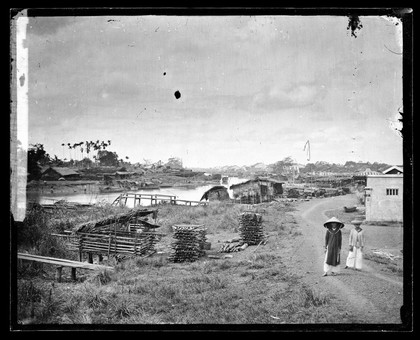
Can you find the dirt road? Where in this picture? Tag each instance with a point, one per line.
(369, 296)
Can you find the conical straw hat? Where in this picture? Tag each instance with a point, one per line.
(334, 219)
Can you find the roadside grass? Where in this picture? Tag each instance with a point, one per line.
(386, 264)
(205, 292)
(257, 289)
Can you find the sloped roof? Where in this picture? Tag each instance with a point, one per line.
(256, 180)
(394, 167)
(63, 171)
(124, 173)
(272, 180)
(215, 188)
(367, 172)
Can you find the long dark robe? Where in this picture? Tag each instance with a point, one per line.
(333, 242)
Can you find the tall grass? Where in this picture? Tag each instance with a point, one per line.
(153, 290)
(35, 232)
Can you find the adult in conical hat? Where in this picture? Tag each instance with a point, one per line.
(333, 220)
(332, 246)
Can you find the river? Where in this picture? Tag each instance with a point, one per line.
(183, 193)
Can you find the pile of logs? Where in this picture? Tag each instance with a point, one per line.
(230, 247)
(188, 243)
(250, 228)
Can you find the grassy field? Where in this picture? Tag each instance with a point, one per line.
(255, 286)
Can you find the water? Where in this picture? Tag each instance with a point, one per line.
(182, 193)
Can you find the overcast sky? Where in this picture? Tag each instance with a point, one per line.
(253, 89)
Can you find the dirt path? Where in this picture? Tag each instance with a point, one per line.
(369, 296)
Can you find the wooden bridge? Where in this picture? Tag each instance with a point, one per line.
(154, 199)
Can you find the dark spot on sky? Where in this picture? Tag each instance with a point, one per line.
(354, 24)
(22, 79)
(177, 94)
(164, 73)
(156, 29)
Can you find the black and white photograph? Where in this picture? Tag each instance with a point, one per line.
(207, 169)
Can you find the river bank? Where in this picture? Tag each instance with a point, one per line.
(89, 186)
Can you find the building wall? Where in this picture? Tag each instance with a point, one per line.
(381, 206)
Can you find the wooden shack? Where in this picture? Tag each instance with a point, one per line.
(127, 233)
(260, 189)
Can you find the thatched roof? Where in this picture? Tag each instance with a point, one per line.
(257, 179)
(122, 218)
(63, 171)
(215, 188)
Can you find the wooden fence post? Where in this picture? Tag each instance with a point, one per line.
(58, 273)
(81, 248)
(109, 245)
(73, 274)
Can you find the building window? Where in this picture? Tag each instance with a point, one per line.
(392, 192)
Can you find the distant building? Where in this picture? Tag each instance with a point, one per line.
(123, 174)
(55, 173)
(367, 172)
(384, 198)
(260, 189)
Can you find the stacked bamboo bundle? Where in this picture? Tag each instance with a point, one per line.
(188, 244)
(141, 244)
(250, 228)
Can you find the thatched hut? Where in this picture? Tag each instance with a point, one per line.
(218, 192)
(54, 173)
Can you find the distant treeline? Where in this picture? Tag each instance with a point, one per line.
(348, 167)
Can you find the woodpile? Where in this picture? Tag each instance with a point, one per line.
(230, 247)
(188, 243)
(250, 228)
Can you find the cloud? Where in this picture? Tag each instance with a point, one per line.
(43, 26)
(297, 96)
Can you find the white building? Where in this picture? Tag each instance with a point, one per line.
(384, 198)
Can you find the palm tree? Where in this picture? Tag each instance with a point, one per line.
(74, 148)
(69, 146)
